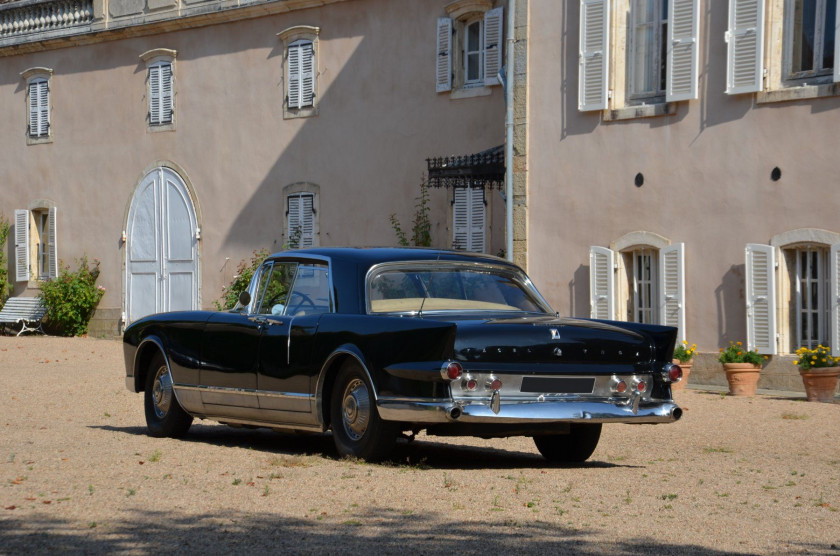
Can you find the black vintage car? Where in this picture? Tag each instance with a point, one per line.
(373, 343)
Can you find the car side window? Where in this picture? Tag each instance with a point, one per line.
(311, 292)
(276, 290)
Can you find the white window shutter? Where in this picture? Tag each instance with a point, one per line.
(44, 105)
(761, 298)
(293, 75)
(22, 245)
(476, 219)
(165, 115)
(834, 299)
(307, 74)
(307, 219)
(294, 219)
(745, 47)
(836, 42)
(444, 55)
(593, 57)
(154, 94)
(601, 283)
(52, 243)
(493, 45)
(460, 219)
(33, 109)
(672, 288)
(681, 80)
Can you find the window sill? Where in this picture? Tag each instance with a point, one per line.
(641, 111)
(470, 92)
(292, 113)
(38, 140)
(162, 127)
(801, 92)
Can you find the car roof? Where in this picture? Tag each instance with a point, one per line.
(370, 256)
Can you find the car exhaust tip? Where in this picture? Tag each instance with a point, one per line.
(453, 413)
(676, 413)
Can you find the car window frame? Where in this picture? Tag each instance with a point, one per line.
(299, 260)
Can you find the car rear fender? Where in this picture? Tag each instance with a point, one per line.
(326, 379)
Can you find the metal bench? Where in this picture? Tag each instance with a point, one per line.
(23, 310)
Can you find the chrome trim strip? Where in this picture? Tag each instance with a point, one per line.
(243, 391)
(266, 424)
(435, 411)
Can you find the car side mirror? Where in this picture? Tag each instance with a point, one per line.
(244, 298)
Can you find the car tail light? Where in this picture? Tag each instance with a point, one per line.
(675, 373)
(619, 386)
(494, 384)
(641, 386)
(452, 371)
(471, 384)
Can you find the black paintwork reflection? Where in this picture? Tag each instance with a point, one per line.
(229, 350)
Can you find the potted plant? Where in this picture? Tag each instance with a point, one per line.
(684, 357)
(819, 371)
(742, 368)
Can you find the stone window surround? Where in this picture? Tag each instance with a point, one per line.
(315, 191)
(462, 12)
(151, 57)
(30, 75)
(288, 36)
(36, 206)
(624, 247)
(785, 243)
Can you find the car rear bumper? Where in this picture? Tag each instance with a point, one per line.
(441, 411)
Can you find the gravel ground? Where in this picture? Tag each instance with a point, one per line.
(79, 474)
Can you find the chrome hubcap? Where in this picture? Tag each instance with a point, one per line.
(162, 392)
(355, 409)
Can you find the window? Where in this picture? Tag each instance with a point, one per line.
(801, 48)
(469, 46)
(641, 278)
(468, 219)
(650, 60)
(38, 105)
(301, 71)
(648, 51)
(160, 89)
(36, 255)
(273, 288)
(792, 292)
(301, 220)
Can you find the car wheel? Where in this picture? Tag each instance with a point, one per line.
(164, 415)
(574, 447)
(358, 431)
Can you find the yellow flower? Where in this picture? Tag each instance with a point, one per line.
(796, 362)
(823, 359)
(739, 353)
(740, 344)
(684, 342)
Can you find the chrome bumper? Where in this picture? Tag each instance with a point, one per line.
(441, 411)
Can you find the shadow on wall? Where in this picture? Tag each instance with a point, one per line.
(574, 122)
(579, 293)
(730, 298)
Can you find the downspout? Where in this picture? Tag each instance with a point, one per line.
(509, 75)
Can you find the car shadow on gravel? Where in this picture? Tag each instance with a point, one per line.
(425, 452)
(235, 532)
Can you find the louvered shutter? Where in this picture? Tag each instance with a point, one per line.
(601, 283)
(493, 45)
(834, 299)
(476, 219)
(460, 219)
(761, 298)
(33, 109)
(444, 55)
(22, 245)
(672, 290)
(52, 243)
(836, 42)
(307, 220)
(593, 60)
(294, 220)
(154, 94)
(39, 108)
(745, 46)
(307, 74)
(682, 50)
(165, 116)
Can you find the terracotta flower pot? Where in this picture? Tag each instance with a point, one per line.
(742, 378)
(820, 383)
(686, 367)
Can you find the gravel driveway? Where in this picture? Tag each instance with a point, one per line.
(78, 473)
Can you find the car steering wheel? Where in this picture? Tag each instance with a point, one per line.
(293, 308)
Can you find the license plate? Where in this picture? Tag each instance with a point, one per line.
(552, 385)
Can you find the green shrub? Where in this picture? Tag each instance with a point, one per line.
(4, 269)
(421, 225)
(244, 272)
(71, 298)
(737, 353)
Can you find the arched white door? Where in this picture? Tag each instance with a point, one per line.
(161, 247)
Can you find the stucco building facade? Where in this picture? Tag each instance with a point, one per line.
(171, 138)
